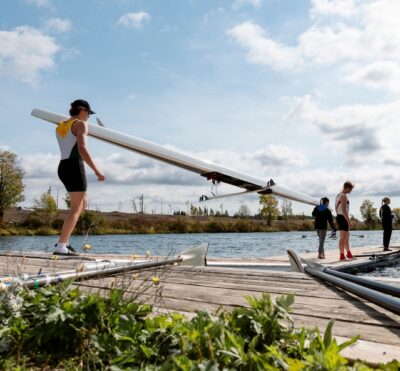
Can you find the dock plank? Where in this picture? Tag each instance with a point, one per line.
(188, 289)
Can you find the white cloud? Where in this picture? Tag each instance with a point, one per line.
(264, 50)
(373, 36)
(25, 52)
(344, 8)
(366, 133)
(382, 75)
(134, 20)
(57, 24)
(239, 3)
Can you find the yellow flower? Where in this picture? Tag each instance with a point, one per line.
(134, 257)
(156, 280)
(87, 246)
(54, 257)
(3, 287)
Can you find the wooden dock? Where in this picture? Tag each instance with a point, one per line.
(187, 289)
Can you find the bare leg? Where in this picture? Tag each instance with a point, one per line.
(78, 204)
(347, 242)
(342, 241)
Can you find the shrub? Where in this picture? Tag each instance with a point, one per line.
(55, 327)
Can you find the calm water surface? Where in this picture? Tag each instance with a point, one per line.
(226, 245)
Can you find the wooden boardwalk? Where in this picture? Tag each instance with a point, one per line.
(188, 289)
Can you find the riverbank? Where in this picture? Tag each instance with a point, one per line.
(35, 223)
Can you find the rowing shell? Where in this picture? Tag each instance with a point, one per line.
(379, 293)
(209, 170)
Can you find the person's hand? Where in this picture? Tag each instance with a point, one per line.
(100, 176)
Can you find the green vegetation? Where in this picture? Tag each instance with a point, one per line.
(63, 328)
(11, 186)
(369, 213)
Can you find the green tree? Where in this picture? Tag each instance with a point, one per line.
(46, 207)
(11, 185)
(368, 212)
(269, 210)
(396, 212)
(67, 200)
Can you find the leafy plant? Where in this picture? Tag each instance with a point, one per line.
(62, 327)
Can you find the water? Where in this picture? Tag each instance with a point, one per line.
(388, 272)
(222, 245)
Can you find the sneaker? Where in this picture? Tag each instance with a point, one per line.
(342, 257)
(350, 255)
(70, 248)
(67, 250)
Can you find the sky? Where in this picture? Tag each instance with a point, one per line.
(305, 92)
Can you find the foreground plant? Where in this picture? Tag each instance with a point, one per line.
(60, 327)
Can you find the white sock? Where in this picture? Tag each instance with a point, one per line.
(61, 248)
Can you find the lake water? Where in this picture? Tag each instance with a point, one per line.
(226, 245)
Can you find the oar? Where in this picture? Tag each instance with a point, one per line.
(374, 295)
(192, 256)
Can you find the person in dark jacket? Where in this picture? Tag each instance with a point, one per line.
(322, 215)
(386, 216)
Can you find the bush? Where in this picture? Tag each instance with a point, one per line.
(54, 327)
(90, 220)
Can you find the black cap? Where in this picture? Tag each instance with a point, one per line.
(81, 103)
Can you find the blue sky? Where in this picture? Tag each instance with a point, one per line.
(304, 92)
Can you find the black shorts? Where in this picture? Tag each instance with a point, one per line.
(71, 172)
(342, 223)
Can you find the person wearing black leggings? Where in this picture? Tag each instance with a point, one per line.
(386, 216)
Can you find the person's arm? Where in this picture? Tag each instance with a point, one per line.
(314, 212)
(81, 131)
(343, 200)
(330, 220)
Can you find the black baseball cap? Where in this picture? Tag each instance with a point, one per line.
(81, 103)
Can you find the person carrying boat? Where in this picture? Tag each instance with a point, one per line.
(72, 137)
(385, 213)
(342, 207)
(322, 215)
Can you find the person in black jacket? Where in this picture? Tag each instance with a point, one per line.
(386, 216)
(322, 215)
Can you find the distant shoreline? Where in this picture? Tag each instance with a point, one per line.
(21, 222)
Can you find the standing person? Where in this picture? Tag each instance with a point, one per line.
(72, 137)
(385, 213)
(342, 207)
(322, 215)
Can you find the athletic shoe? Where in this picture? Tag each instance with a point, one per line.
(70, 248)
(342, 257)
(350, 255)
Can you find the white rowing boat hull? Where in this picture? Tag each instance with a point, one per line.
(176, 158)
